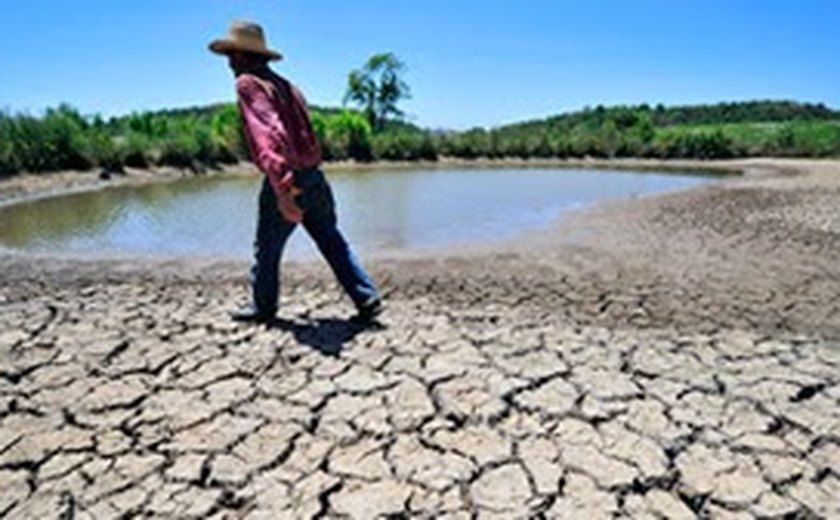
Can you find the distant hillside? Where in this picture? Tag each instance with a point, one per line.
(723, 130)
(662, 116)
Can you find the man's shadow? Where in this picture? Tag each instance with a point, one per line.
(326, 335)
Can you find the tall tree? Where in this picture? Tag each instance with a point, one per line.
(378, 87)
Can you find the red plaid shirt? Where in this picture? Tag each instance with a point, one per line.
(277, 126)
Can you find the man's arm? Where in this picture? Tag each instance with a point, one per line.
(269, 143)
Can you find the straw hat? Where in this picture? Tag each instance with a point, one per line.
(245, 36)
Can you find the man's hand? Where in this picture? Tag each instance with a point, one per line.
(288, 207)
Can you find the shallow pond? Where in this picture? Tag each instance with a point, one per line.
(378, 211)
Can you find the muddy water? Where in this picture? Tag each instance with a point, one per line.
(378, 211)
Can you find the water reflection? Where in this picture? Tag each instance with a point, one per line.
(48, 219)
(377, 210)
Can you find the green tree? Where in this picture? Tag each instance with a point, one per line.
(377, 88)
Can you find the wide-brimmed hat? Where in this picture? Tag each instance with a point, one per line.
(247, 37)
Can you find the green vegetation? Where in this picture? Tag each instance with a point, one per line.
(377, 88)
(64, 139)
(195, 138)
(726, 130)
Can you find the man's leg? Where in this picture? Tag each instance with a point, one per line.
(319, 220)
(272, 233)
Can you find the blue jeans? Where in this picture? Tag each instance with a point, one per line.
(319, 220)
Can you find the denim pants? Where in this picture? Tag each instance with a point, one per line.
(319, 220)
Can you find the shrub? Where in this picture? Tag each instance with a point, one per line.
(404, 146)
(134, 150)
(178, 151)
(350, 136)
(103, 152)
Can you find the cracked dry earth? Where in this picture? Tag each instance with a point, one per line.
(142, 400)
(481, 395)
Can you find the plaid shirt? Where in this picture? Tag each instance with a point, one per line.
(277, 127)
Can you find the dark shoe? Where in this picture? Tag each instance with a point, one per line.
(369, 311)
(252, 315)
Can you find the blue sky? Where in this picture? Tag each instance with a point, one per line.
(471, 63)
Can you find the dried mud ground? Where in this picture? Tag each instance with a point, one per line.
(672, 357)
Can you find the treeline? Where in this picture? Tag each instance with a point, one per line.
(724, 130)
(205, 136)
(64, 139)
(661, 116)
(640, 138)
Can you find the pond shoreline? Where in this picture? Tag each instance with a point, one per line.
(27, 187)
(665, 235)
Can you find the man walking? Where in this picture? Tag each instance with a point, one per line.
(286, 149)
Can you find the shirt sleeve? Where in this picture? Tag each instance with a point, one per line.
(268, 136)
